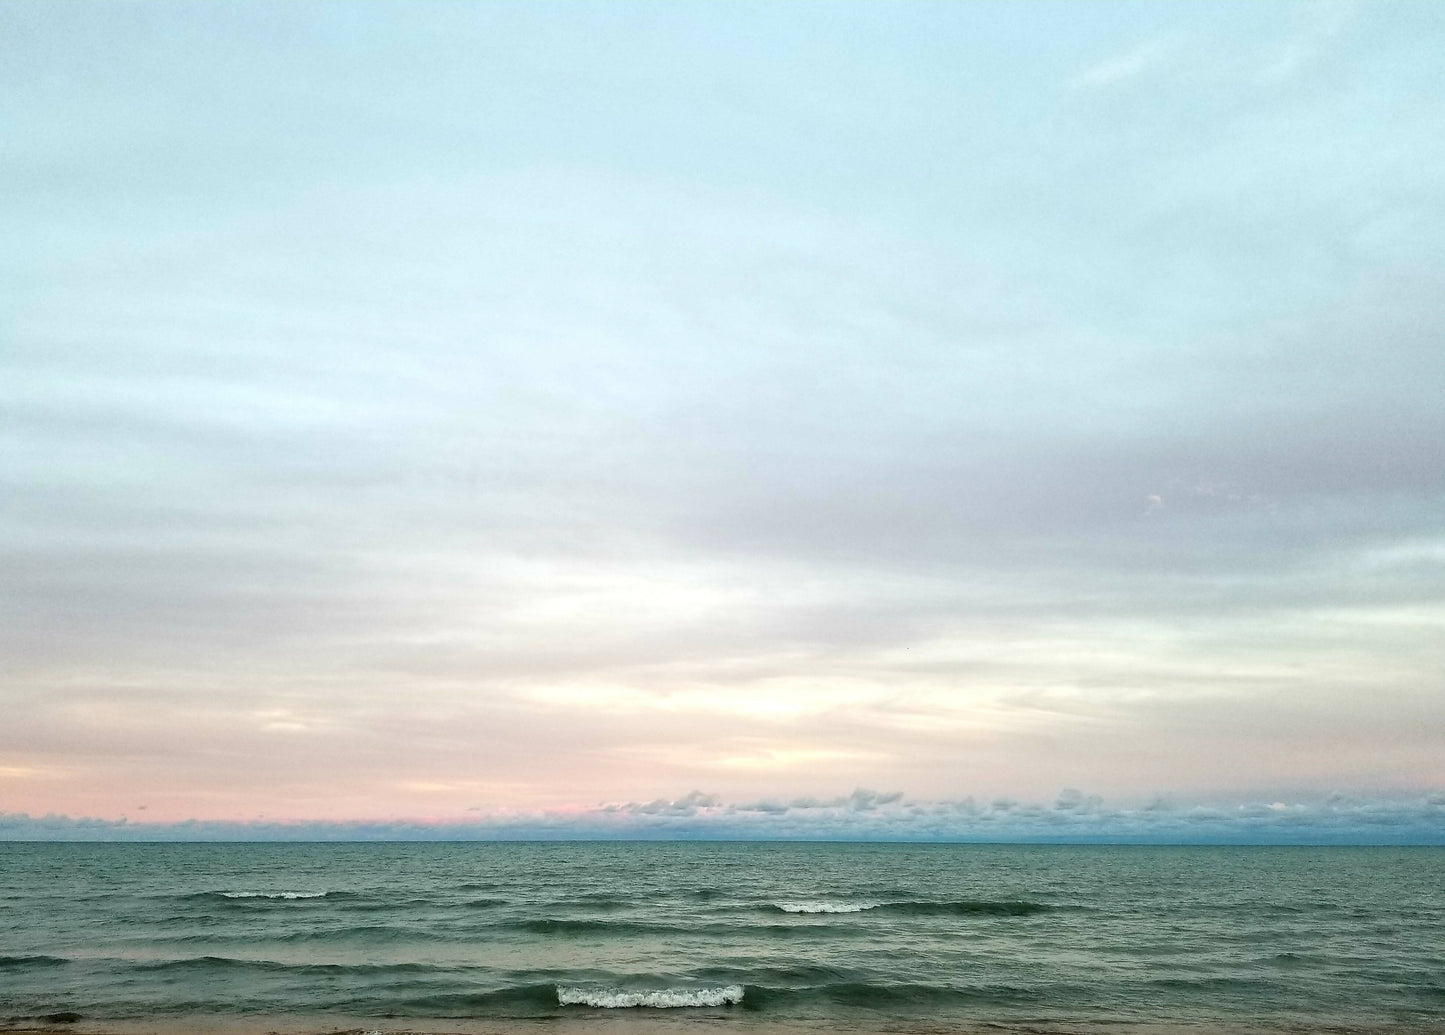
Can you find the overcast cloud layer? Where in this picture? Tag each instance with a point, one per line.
(456, 415)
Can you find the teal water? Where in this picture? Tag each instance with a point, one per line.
(867, 934)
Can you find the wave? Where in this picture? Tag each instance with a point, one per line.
(216, 964)
(390, 934)
(887, 996)
(538, 1000)
(661, 999)
(1283, 959)
(17, 962)
(623, 928)
(1216, 983)
(261, 897)
(824, 907)
(394, 905)
(811, 932)
(1002, 907)
(1008, 907)
(447, 999)
(377, 933)
(788, 976)
(552, 926)
(364, 933)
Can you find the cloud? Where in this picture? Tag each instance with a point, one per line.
(892, 417)
(863, 816)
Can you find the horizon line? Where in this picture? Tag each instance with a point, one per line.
(1102, 842)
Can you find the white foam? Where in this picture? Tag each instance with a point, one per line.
(826, 907)
(273, 894)
(661, 999)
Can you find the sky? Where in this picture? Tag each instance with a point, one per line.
(943, 421)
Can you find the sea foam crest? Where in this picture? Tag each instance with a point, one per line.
(273, 894)
(664, 998)
(826, 907)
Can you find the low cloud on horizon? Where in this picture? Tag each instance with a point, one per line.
(1073, 817)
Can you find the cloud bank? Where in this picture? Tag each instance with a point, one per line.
(864, 815)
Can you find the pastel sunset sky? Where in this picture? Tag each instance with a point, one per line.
(678, 417)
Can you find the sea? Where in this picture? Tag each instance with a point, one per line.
(654, 936)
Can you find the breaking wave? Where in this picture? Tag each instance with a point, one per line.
(824, 907)
(1013, 907)
(661, 999)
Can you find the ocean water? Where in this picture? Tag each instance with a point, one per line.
(313, 937)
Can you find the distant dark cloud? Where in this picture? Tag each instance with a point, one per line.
(864, 815)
